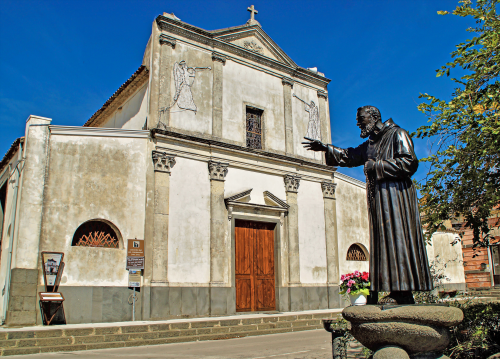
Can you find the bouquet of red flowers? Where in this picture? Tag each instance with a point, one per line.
(355, 283)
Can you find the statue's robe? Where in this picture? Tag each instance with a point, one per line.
(398, 259)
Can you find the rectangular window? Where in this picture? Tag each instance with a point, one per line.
(254, 128)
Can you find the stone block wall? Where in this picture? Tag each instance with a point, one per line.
(22, 301)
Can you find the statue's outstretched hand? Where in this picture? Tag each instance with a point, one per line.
(314, 145)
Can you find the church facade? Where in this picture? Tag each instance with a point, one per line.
(198, 153)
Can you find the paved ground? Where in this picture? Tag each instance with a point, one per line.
(314, 344)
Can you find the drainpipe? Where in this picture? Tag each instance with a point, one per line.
(492, 268)
(6, 288)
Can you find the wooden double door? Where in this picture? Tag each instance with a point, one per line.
(254, 266)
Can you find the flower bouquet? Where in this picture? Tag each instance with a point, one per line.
(354, 284)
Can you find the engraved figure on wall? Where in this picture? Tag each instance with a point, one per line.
(313, 129)
(184, 77)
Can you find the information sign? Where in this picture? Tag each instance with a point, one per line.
(135, 254)
(134, 278)
(52, 269)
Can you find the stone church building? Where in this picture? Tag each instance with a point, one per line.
(199, 154)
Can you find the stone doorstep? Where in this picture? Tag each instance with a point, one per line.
(134, 340)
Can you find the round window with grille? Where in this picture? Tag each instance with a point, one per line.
(96, 233)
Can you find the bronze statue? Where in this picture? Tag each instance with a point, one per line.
(398, 258)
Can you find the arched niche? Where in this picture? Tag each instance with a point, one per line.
(357, 252)
(97, 233)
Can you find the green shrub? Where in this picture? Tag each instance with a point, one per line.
(478, 335)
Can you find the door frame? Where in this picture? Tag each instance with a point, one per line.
(277, 249)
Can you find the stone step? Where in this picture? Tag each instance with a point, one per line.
(55, 339)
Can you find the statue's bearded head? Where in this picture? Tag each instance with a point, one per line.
(366, 118)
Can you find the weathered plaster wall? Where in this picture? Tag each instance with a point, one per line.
(133, 113)
(246, 86)
(447, 257)
(93, 178)
(352, 220)
(301, 119)
(189, 223)
(200, 121)
(312, 243)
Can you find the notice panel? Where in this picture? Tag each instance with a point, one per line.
(135, 254)
(134, 278)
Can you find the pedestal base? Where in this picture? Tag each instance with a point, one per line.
(411, 330)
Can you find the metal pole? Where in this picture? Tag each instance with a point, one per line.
(133, 307)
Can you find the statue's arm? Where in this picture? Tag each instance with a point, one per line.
(404, 162)
(345, 157)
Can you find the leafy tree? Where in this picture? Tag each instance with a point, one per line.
(464, 171)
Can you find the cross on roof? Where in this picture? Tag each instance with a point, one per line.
(252, 12)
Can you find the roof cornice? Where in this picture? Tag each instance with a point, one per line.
(210, 39)
(207, 141)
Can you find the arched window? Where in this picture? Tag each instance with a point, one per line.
(356, 253)
(96, 233)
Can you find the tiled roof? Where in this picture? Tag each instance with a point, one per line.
(95, 117)
(12, 150)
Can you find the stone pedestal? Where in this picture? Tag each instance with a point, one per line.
(419, 331)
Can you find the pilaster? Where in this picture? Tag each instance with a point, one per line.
(332, 248)
(167, 43)
(24, 273)
(323, 118)
(163, 164)
(218, 62)
(219, 254)
(292, 183)
(154, 78)
(287, 96)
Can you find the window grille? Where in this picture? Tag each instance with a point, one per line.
(254, 128)
(95, 233)
(355, 253)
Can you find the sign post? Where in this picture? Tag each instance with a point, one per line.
(135, 263)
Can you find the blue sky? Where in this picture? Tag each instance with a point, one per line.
(64, 59)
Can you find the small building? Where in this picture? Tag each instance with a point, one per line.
(199, 154)
(481, 264)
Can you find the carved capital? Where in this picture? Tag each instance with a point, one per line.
(167, 40)
(322, 94)
(292, 183)
(328, 189)
(163, 161)
(287, 81)
(217, 170)
(217, 56)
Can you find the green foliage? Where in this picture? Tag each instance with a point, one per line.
(478, 335)
(436, 268)
(464, 174)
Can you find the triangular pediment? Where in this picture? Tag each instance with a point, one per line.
(254, 39)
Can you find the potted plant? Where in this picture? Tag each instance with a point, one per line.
(356, 285)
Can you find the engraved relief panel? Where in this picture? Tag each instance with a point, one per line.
(305, 114)
(255, 45)
(190, 104)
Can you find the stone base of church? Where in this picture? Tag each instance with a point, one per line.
(93, 304)
(22, 297)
